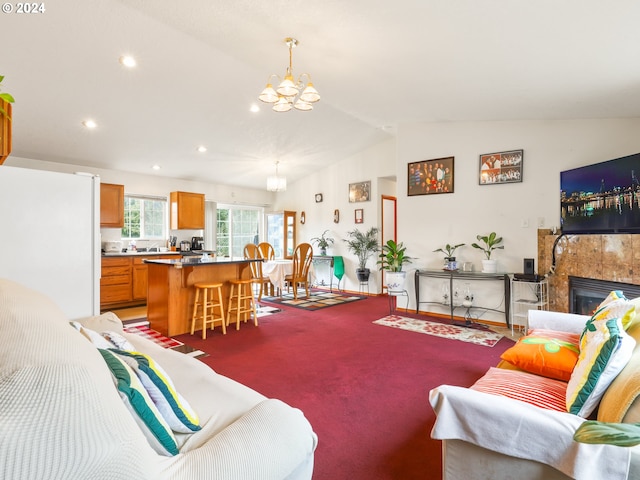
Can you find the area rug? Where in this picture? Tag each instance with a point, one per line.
(141, 327)
(453, 332)
(316, 300)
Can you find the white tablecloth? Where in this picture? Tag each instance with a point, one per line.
(276, 270)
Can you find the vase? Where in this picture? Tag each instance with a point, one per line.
(363, 274)
(489, 266)
(395, 281)
(323, 251)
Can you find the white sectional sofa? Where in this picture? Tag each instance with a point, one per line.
(61, 416)
(486, 436)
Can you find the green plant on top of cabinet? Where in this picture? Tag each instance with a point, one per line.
(187, 211)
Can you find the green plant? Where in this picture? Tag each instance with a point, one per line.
(7, 97)
(323, 241)
(393, 256)
(449, 250)
(491, 243)
(362, 245)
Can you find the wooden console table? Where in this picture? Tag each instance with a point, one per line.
(459, 275)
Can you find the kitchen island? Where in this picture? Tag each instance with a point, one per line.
(171, 292)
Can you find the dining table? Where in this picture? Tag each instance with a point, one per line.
(278, 269)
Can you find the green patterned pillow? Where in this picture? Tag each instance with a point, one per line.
(605, 349)
(173, 407)
(140, 405)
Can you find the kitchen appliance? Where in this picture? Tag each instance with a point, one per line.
(185, 246)
(61, 210)
(197, 243)
(113, 246)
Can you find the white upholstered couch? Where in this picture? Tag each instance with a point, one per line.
(61, 416)
(485, 436)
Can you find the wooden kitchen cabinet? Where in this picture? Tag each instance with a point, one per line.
(111, 205)
(187, 211)
(139, 275)
(115, 281)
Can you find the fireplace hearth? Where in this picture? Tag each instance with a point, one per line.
(585, 294)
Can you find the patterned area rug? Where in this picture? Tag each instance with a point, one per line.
(141, 328)
(453, 332)
(316, 300)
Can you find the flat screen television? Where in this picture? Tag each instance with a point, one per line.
(601, 198)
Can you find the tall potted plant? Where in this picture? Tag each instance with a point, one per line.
(490, 243)
(323, 242)
(392, 258)
(363, 245)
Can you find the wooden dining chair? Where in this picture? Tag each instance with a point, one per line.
(267, 251)
(251, 251)
(302, 256)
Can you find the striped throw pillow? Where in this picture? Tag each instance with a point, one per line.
(526, 387)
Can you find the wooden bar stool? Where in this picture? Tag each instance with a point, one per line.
(241, 301)
(205, 307)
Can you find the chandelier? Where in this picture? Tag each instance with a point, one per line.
(290, 94)
(276, 183)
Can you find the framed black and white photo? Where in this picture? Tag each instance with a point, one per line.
(501, 167)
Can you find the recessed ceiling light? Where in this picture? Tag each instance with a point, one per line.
(254, 108)
(90, 124)
(202, 149)
(156, 167)
(128, 61)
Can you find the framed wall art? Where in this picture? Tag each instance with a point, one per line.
(501, 167)
(360, 192)
(359, 215)
(430, 177)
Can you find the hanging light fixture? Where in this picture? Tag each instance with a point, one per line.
(276, 183)
(290, 94)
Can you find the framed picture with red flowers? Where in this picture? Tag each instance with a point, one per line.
(430, 177)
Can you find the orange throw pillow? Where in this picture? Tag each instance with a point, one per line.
(546, 352)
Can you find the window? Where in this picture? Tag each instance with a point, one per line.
(145, 217)
(237, 226)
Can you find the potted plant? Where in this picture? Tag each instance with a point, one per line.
(363, 245)
(323, 242)
(490, 243)
(449, 259)
(5, 97)
(392, 259)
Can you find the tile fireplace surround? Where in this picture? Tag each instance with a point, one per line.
(604, 257)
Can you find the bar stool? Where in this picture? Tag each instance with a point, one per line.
(205, 307)
(245, 303)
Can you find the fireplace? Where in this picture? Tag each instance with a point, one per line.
(585, 294)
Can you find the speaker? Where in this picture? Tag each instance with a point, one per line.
(529, 266)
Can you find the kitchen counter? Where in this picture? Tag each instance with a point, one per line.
(171, 290)
(137, 254)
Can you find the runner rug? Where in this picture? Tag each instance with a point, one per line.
(316, 300)
(453, 332)
(142, 328)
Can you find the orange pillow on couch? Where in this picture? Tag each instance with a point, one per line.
(548, 353)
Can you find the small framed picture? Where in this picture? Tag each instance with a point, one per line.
(359, 215)
(430, 177)
(318, 197)
(501, 167)
(360, 192)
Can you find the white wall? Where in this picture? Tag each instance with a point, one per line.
(430, 221)
(333, 182)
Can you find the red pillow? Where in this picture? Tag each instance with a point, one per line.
(548, 353)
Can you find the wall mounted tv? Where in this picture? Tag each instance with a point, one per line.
(601, 198)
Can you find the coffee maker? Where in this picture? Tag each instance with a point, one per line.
(197, 243)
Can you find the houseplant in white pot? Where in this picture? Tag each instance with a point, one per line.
(490, 243)
(362, 245)
(392, 259)
(323, 242)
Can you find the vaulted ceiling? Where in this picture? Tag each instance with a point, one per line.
(377, 64)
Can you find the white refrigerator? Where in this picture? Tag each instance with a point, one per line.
(50, 236)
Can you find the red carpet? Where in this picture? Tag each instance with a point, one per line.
(363, 388)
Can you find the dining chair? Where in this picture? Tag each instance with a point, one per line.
(251, 251)
(267, 251)
(302, 256)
